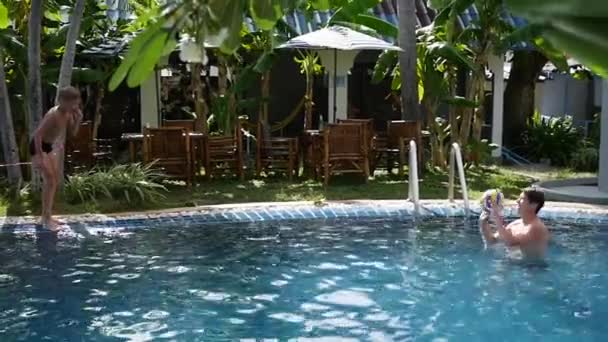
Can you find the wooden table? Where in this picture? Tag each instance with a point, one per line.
(136, 139)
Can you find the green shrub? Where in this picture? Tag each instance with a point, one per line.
(479, 152)
(556, 139)
(132, 184)
(586, 159)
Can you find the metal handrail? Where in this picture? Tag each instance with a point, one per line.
(456, 158)
(413, 191)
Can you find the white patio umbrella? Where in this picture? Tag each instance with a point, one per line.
(337, 38)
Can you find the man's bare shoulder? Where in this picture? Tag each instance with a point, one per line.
(517, 222)
(538, 228)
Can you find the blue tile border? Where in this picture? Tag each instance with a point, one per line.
(282, 212)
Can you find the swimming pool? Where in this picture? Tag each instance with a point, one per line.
(332, 279)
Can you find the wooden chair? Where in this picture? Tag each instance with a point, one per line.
(169, 149)
(396, 143)
(195, 145)
(225, 154)
(276, 153)
(84, 151)
(345, 150)
(190, 125)
(370, 133)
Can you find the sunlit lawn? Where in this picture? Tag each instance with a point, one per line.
(433, 185)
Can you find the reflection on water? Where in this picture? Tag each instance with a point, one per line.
(319, 281)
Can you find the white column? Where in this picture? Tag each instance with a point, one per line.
(603, 172)
(345, 61)
(150, 97)
(497, 66)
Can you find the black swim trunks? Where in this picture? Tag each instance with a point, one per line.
(46, 147)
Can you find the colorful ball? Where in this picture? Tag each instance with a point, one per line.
(491, 198)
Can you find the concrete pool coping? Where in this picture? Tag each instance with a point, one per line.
(574, 190)
(277, 211)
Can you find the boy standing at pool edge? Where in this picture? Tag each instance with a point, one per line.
(529, 233)
(49, 138)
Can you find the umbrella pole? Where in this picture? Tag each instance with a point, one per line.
(335, 80)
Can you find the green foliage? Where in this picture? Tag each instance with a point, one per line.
(266, 13)
(3, 16)
(579, 29)
(556, 139)
(217, 22)
(309, 63)
(133, 184)
(586, 159)
(221, 115)
(479, 152)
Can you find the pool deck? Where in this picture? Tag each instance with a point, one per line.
(276, 211)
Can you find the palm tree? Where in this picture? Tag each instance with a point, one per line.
(34, 79)
(67, 62)
(7, 131)
(33, 59)
(407, 59)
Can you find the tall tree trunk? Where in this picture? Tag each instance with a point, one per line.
(309, 73)
(407, 60)
(34, 79)
(308, 104)
(265, 94)
(67, 62)
(67, 65)
(200, 106)
(479, 117)
(222, 77)
(7, 131)
(519, 93)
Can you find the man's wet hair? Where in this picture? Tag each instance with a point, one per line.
(535, 196)
(68, 94)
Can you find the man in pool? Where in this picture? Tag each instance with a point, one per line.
(529, 233)
(49, 138)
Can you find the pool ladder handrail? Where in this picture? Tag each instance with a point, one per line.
(413, 189)
(456, 158)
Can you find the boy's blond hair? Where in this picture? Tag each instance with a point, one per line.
(68, 94)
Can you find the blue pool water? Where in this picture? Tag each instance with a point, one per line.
(344, 280)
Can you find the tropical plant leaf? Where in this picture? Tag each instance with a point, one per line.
(557, 57)
(551, 8)
(232, 32)
(527, 34)
(321, 5)
(584, 42)
(3, 16)
(384, 66)
(266, 13)
(452, 54)
(87, 75)
(264, 63)
(353, 8)
(152, 53)
(460, 101)
(133, 55)
(379, 25)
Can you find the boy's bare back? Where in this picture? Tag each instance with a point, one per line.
(54, 125)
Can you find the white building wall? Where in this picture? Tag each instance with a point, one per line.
(563, 95)
(150, 97)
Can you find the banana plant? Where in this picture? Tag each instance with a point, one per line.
(578, 29)
(437, 61)
(309, 67)
(217, 22)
